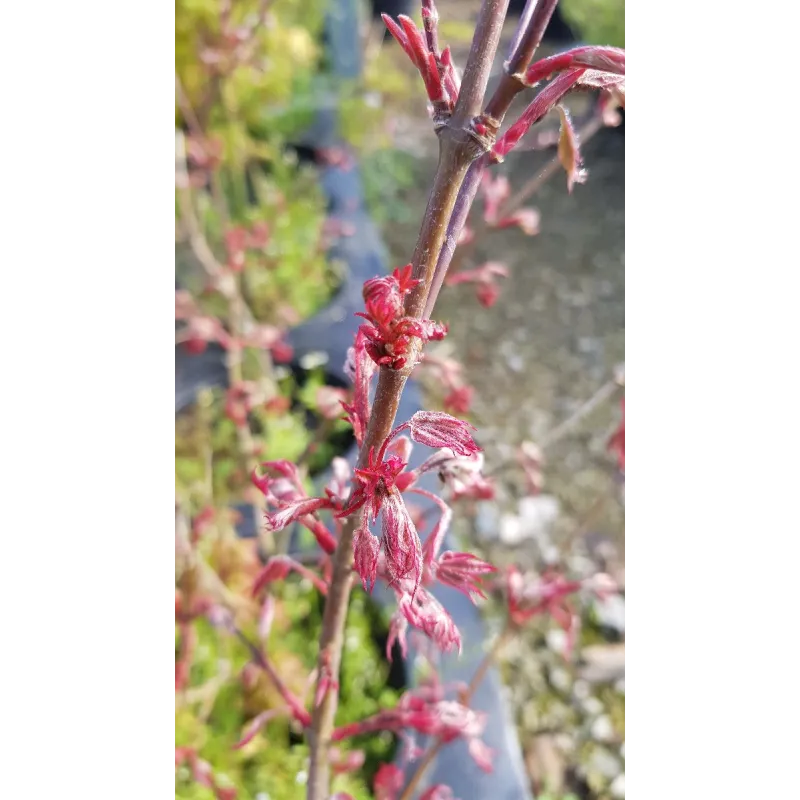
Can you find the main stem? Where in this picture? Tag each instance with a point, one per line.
(457, 149)
(381, 421)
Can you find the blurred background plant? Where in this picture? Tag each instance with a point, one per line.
(251, 241)
(597, 20)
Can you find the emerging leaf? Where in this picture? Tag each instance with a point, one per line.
(568, 150)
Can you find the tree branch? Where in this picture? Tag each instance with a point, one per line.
(458, 147)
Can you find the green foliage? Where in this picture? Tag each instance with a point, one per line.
(205, 437)
(292, 270)
(387, 176)
(599, 21)
(268, 90)
(274, 762)
(252, 105)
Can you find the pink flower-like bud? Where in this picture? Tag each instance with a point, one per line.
(413, 41)
(276, 569)
(437, 429)
(425, 612)
(484, 276)
(401, 544)
(388, 338)
(287, 470)
(365, 551)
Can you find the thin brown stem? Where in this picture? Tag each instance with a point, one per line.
(488, 28)
(527, 39)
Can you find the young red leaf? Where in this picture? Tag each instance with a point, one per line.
(437, 429)
(568, 150)
(279, 519)
(366, 548)
(541, 104)
(400, 540)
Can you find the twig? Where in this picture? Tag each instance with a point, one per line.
(458, 147)
(526, 39)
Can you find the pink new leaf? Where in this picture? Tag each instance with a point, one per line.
(568, 150)
(401, 544)
(463, 571)
(541, 104)
(609, 60)
(278, 520)
(438, 429)
(366, 548)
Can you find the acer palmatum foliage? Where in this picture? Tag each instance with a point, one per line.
(364, 520)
